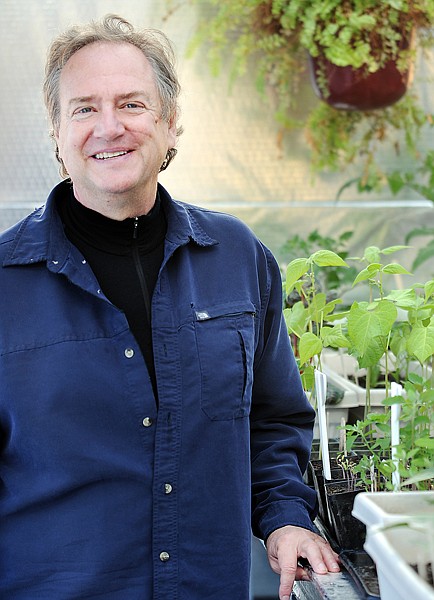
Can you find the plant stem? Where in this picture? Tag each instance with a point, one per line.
(368, 392)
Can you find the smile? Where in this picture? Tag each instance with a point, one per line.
(105, 155)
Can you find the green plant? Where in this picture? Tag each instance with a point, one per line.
(415, 452)
(392, 331)
(247, 36)
(370, 323)
(334, 280)
(386, 331)
(417, 343)
(359, 33)
(426, 252)
(269, 39)
(306, 319)
(339, 137)
(419, 179)
(396, 323)
(394, 327)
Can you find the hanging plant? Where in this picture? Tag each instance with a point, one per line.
(272, 39)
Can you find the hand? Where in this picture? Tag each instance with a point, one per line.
(287, 544)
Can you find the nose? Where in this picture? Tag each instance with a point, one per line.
(108, 125)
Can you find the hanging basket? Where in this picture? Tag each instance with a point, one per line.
(347, 88)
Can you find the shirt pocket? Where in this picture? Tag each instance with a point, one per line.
(225, 337)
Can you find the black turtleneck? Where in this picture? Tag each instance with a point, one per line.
(126, 257)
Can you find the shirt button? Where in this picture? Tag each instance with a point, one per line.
(147, 422)
(168, 488)
(129, 352)
(164, 556)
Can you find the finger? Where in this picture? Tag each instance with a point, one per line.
(332, 560)
(288, 573)
(321, 557)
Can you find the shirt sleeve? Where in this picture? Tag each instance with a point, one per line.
(281, 424)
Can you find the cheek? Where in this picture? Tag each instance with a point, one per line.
(68, 144)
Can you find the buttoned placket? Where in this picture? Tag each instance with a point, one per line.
(147, 421)
(167, 442)
(165, 431)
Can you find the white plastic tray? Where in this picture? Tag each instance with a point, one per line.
(382, 508)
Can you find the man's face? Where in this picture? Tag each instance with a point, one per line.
(111, 137)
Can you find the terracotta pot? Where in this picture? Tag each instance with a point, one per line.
(355, 89)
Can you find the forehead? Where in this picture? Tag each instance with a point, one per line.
(104, 66)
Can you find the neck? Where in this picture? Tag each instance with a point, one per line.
(119, 206)
(90, 230)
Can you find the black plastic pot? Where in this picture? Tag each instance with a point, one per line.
(349, 532)
(316, 462)
(317, 476)
(316, 473)
(333, 446)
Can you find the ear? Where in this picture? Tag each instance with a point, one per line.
(54, 133)
(172, 133)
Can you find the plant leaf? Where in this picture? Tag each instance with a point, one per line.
(404, 298)
(296, 319)
(327, 258)
(420, 342)
(372, 254)
(392, 400)
(419, 231)
(367, 328)
(423, 475)
(316, 308)
(310, 345)
(367, 273)
(424, 254)
(330, 306)
(392, 249)
(425, 442)
(395, 268)
(429, 289)
(396, 182)
(308, 377)
(295, 270)
(334, 337)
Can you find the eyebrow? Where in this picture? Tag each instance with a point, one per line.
(79, 100)
(127, 96)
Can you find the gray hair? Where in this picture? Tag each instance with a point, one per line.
(155, 46)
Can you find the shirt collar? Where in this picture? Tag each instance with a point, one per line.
(40, 236)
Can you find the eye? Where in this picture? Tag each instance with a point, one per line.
(82, 111)
(134, 106)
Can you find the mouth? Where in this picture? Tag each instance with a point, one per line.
(109, 155)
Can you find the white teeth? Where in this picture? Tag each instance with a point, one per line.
(104, 155)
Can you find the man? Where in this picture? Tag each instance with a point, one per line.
(150, 405)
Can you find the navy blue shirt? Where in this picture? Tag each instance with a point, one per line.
(102, 495)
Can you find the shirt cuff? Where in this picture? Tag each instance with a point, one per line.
(284, 512)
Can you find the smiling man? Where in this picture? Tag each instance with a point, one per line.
(151, 411)
(111, 135)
